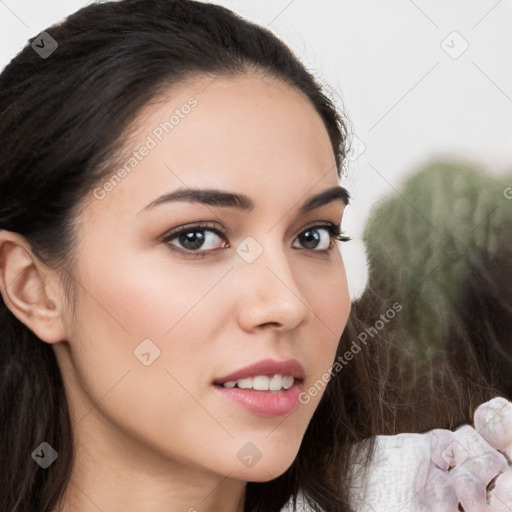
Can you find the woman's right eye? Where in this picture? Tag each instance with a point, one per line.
(196, 239)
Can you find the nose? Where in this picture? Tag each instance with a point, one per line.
(270, 296)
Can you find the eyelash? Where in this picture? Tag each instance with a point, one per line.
(335, 234)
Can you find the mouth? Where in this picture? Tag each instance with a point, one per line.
(273, 383)
(268, 388)
(256, 374)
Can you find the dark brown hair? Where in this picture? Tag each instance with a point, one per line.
(480, 335)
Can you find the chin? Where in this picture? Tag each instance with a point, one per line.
(263, 474)
(264, 471)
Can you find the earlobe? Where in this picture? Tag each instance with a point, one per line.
(27, 288)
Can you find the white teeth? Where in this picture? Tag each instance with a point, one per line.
(276, 383)
(262, 383)
(287, 382)
(244, 383)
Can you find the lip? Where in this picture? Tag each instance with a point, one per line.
(268, 404)
(267, 367)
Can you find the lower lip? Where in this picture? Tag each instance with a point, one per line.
(263, 403)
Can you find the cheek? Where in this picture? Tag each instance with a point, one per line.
(329, 299)
(328, 296)
(137, 299)
(179, 312)
(152, 312)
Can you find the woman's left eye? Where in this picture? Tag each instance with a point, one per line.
(199, 239)
(321, 237)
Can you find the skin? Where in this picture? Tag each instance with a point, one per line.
(158, 437)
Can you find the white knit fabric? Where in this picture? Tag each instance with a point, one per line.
(390, 482)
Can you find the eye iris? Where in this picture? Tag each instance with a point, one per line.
(192, 240)
(310, 238)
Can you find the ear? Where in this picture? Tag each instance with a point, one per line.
(30, 289)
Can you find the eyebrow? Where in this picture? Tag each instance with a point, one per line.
(221, 198)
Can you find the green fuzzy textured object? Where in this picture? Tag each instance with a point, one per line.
(421, 244)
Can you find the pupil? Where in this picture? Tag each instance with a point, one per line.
(310, 239)
(193, 240)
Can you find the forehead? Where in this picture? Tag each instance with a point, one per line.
(248, 133)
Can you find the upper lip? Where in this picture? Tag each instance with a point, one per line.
(267, 367)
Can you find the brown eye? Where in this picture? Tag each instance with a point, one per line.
(311, 238)
(195, 239)
(192, 241)
(320, 238)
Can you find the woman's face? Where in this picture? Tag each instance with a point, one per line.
(155, 325)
